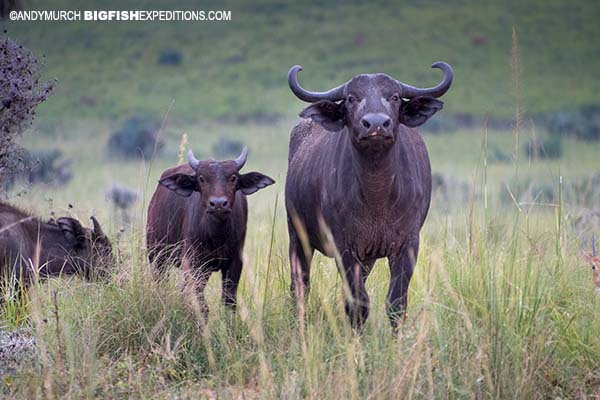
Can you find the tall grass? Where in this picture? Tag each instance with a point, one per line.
(501, 322)
(500, 305)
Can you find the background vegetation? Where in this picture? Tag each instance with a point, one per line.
(233, 70)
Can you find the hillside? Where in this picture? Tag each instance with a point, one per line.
(235, 71)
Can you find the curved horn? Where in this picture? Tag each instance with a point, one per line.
(241, 160)
(437, 91)
(334, 94)
(192, 160)
(97, 228)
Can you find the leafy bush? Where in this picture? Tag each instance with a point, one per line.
(496, 155)
(20, 93)
(122, 199)
(440, 124)
(528, 191)
(41, 166)
(550, 147)
(583, 123)
(7, 6)
(583, 191)
(225, 147)
(17, 351)
(585, 222)
(170, 57)
(48, 166)
(137, 137)
(448, 192)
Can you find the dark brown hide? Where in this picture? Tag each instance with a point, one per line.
(52, 248)
(359, 183)
(199, 215)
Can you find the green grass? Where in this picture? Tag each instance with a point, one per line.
(499, 319)
(501, 304)
(238, 69)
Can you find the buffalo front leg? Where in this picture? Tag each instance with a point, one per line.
(357, 302)
(230, 276)
(301, 253)
(401, 270)
(197, 278)
(201, 279)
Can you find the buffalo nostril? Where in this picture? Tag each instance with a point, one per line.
(386, 124)
(217, 202)
(365, 123)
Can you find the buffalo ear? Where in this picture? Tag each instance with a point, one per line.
(415, 112)
(326, 113)
(72, 230)
(253, 181)
(182, 184)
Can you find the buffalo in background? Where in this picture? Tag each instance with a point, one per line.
(57, 247)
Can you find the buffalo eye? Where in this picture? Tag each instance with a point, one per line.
(233, 179)
(395, 97)
(351, 99)
(201, 179)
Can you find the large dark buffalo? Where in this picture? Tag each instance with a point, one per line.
(199, 211)
(52, 248)
(359, 182)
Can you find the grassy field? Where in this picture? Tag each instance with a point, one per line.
(502, 304)
(236, 70)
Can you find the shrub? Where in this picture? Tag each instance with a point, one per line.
(440, 124)
(41, 166)
(583, 191)
(17, 351)
(122, 198)
(7, 6)
(225, 147)
(170, 57)
(448, 192)
(550, 147)
(137, 137)
(528, 191)
(496, 155)
(583, 123)
(19, 165)
(584, 222)
(48, 166)
(20, 93)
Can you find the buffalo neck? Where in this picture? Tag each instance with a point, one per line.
(203, 226)
(375, 174)
(210, 229)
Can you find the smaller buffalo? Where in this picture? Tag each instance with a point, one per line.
(57, 247)
(198, 214)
